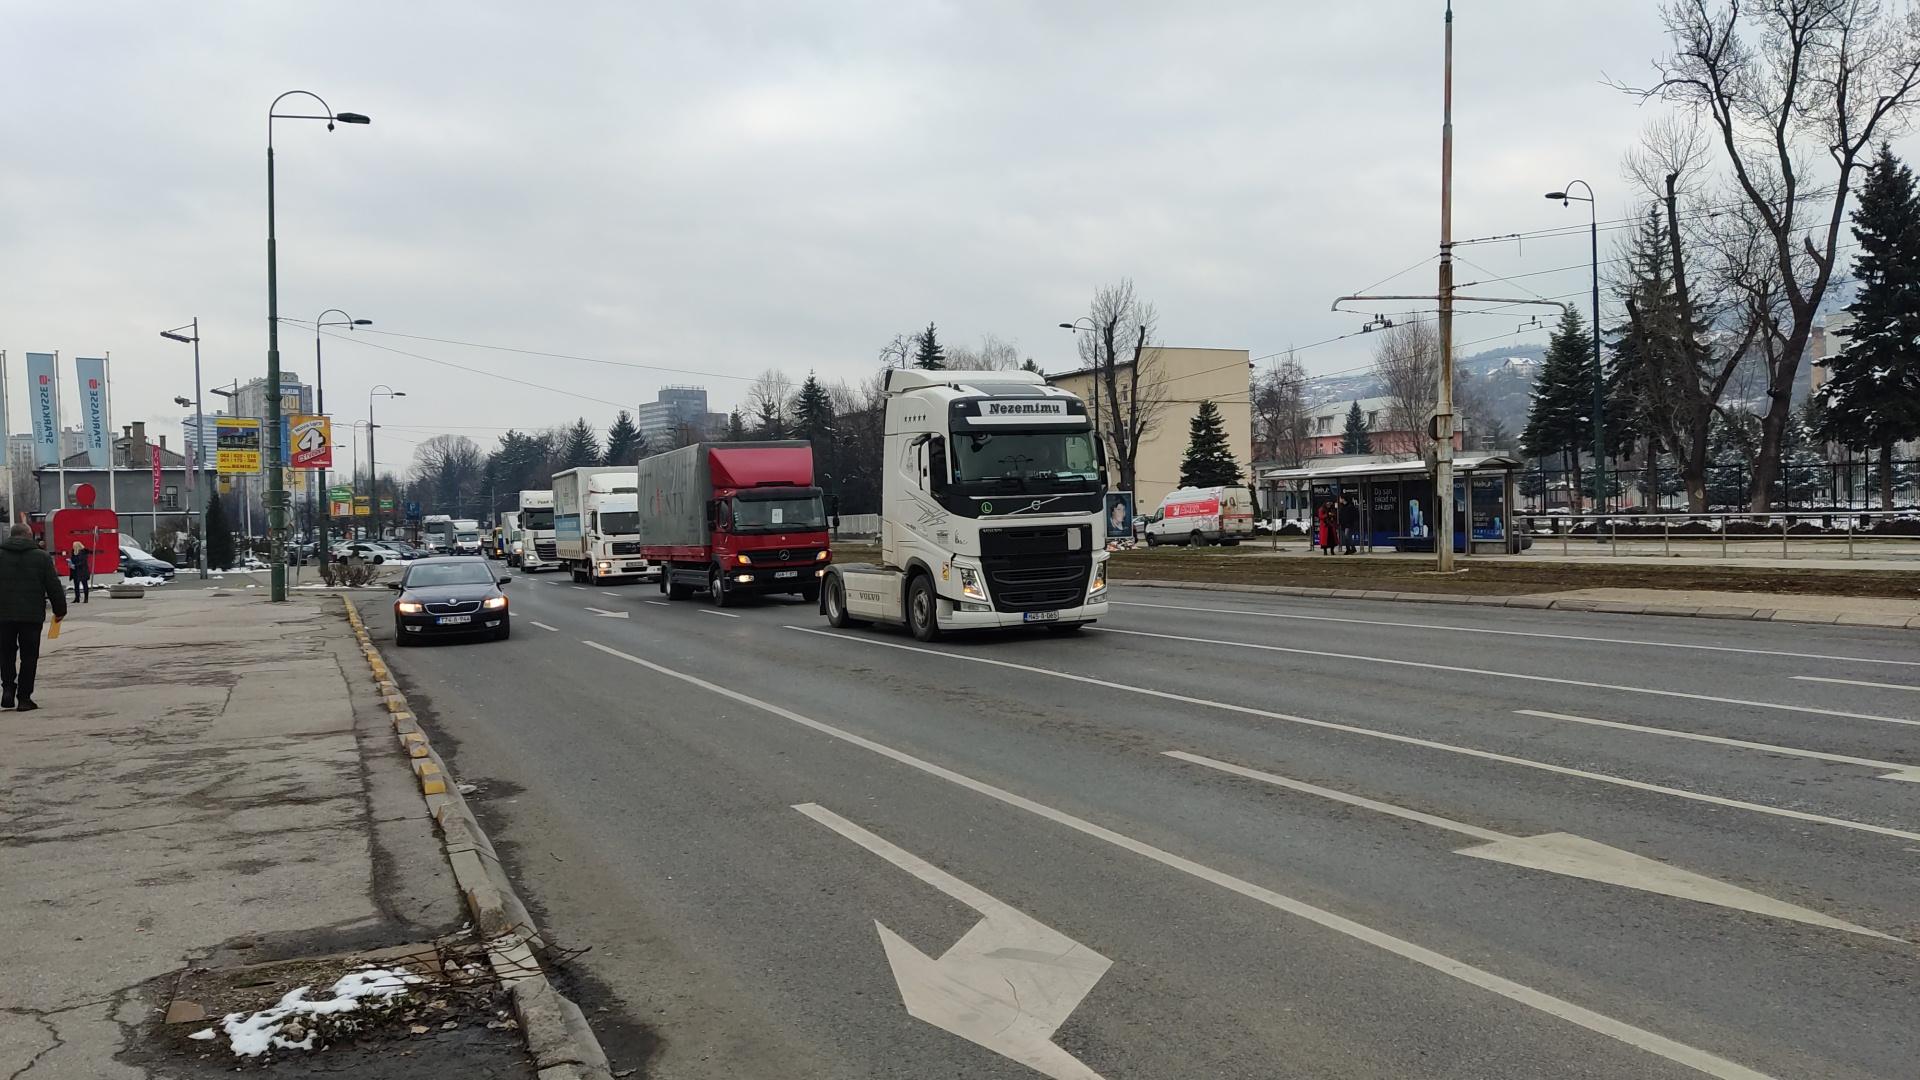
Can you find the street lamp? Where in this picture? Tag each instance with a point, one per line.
(1093, 334)
(373, 473)
(1565, 196)
(320, 406)
(196, 479)
(276, 478)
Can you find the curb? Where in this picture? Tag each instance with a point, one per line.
(558, 1038)
(1541, 603)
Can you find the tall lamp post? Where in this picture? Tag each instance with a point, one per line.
(1093, 334)
(1599, 378)
(276, 477)
(320, 406)
(373, 473)
(198, 478)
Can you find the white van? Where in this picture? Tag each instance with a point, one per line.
(1196, 516)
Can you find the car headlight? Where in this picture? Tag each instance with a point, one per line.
(1099, 580)
(494, 603)
(743, 560)
(409, 607)
(970, 586)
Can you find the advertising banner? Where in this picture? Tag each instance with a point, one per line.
(43, 398)
(362, 506)
(1119, 514)
(237, 442)
(91, 374)
(312, 438)
(156, 475)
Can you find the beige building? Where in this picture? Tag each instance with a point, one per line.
(1173, 383)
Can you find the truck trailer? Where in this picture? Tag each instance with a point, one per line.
(596, 524)
(734, 518)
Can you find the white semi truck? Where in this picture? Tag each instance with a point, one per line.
(537, 551)
(596, 524)
(992, 491)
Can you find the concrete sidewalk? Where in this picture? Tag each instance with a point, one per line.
(210, 781)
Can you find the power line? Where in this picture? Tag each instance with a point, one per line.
(536, 352)
(473, 370)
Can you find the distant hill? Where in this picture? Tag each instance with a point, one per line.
(1502, 378)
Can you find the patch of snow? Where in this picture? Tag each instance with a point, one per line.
(255, 1033)
(204, 1034)
(147, 581)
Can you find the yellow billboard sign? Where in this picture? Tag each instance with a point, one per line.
(237, 445)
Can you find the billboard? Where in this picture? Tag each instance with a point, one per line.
(43, 398)
(362, 506)
(91, 374)
(312, 440)
(237, 439)
(1119, 514)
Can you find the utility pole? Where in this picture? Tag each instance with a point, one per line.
(1443, 409)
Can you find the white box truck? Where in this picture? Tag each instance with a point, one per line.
(537, 551)
(992, 491)
(596, 524)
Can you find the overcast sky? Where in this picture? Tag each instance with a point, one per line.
(725, 186)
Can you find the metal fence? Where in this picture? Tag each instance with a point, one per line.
(1829, 485)
(1850, 534)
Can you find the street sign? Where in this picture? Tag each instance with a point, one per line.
(312, 438)
(340, 493)
(413, 510)
(362, 506)
(237, 442)
(386, 504)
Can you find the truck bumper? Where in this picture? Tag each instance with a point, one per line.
(954, 617)
(777, 579)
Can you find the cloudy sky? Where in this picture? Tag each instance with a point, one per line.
(720, 187)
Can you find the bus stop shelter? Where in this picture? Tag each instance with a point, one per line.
(1396, 500)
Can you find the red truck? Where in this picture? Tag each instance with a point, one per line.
(734, 518)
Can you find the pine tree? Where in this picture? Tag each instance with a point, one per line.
(1029, 365)
(769, 423)
(1209, 461)
(582, 446)
(813, 414)
(1559, 419)
(219, 534)
(1871, 397)
(736, 427)
(927, 352)
(626, 445)
(1533, 479)
(1355, 439)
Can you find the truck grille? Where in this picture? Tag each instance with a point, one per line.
(1037, 586)
(544, 548)
(626, 547)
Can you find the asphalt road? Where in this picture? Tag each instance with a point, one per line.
(723, 807)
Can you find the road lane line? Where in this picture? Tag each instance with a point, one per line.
(1811, 710)
(1857, 682)
(1410, 740)
(1639, 1038)
(582, 588)
(722, 614)
(1512, 633)
(655, 603)
(544, 626)
(1565, 853)
(1898, 771)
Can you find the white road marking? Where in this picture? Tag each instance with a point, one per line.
(1857, 682)
(582, 588)
(544, 626)
(722, 614)
(1007, 985)
(1511, 675)
(1513, 633)
(605, 614)
(1565, 853)
(1640, 1038)
(655, 603)
(1410, 740)
(612, 593)
(1898, 771)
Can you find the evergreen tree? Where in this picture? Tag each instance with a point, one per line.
(582, 446)
(219, 534)
(1660, 480)
(1559, 419)
(1730, 451)
(1533, 479)
(625, 444)
(736, 427)
(1029, 365)
(1871, 397)
(1355, 439)
(927, 352)
(1209, 461)
(813, 414)
(769, 423)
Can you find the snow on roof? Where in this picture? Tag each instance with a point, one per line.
(1416, 467)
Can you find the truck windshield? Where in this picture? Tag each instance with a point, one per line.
(1025, 460)
(778, 515)
(619, 522)
(537, 519)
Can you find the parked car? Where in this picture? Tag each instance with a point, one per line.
(399, 550)
(371, 550)
(447, 596)
(139, 564)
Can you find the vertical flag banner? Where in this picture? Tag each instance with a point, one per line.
(41, 372)
(156, 475)
(91, 374)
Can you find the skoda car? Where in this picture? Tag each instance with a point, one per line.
(450, 596)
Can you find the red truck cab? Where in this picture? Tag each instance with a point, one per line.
(734, 518)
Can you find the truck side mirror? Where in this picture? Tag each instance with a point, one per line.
(937, 464)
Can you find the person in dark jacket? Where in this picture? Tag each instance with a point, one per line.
(28, 584)
(1349, 521)
(80, 571)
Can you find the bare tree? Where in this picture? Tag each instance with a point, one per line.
(1281, 418)
(768, 399)
(993, 354)
(898, 352)
(1128, 396)
(450, 467)
(1775, 83)
(1406, 361)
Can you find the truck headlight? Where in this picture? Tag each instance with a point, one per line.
(822, 556)
(606, 566)
(1099, 586)
(743, 560)
(970, 586)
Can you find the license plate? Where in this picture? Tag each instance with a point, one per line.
(1041, 616)
(453, 620)
(786, 573)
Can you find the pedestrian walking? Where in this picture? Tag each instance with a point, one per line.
(1349, 516)
(80, 570)
(28, 584)
(1328, 524)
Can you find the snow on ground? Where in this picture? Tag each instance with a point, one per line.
(148, 581)
(290, 1024)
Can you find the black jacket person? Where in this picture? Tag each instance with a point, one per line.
(28, 585)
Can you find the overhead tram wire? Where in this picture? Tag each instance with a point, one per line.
(360, 340)
(551, 355)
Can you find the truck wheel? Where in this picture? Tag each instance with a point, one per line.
(664, 575)
(717, 589)
(923, 609)
(836, 605)
(677, 590)
(810, 593)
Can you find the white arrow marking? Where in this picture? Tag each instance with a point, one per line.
(1565, 853)
(1007, 985)
(1857, 682)
(1910, 773)
(605, 614)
